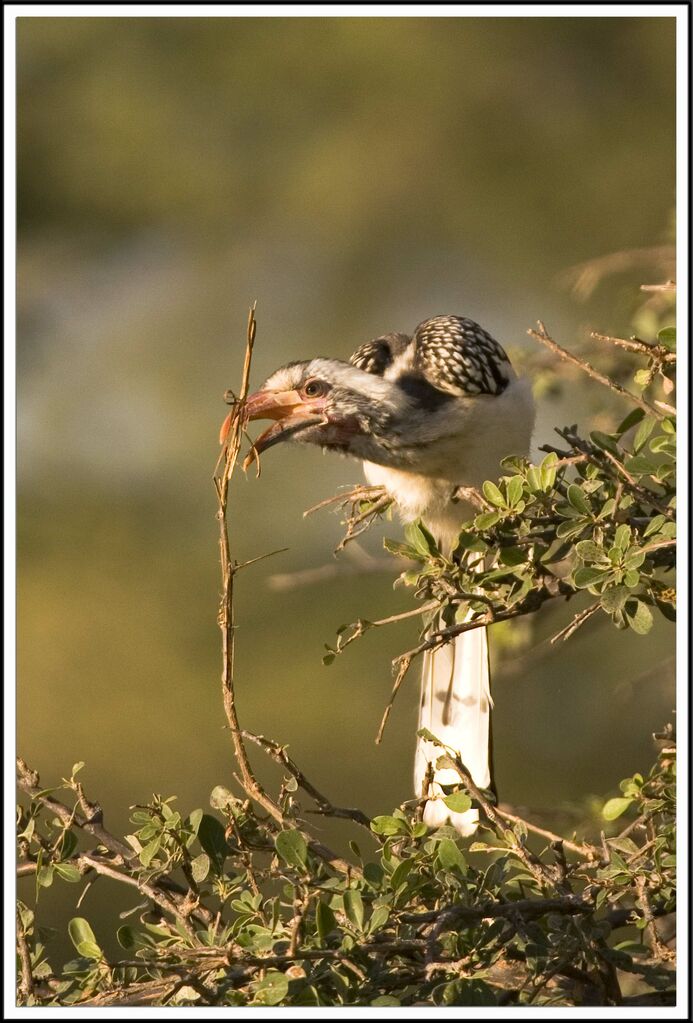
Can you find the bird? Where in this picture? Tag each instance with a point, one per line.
(428, 414)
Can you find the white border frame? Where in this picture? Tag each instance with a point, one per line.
(680, 12)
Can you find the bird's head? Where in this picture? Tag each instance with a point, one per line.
(325, 402)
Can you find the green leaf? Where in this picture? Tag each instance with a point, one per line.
(534, 478)
(450, 856)
(210, 835)
(39, 861)
(401, 873)
(403, 550)
(639, 617)
(424, 733)
(374, 873)
(607, 508)
(521, 592)
(420, 539)
(548, 470)
(272, 989)
(640, 465)
(465, 992)
(44, 875)
(566, 530)
(512, 556)
(200, 867)
(219, 799)
(149, 851)
(68, 872)
(613, 808)
(141, 817)
(325, 920)
(667, 337)
(385, 825)
(410, 578)
(493, 494)
(68, 845)
(577, 499)
(379, 917)
(458, 802)
(353, 907)
(663, 444)
(634, 558)
(614, 598)
(126, 937)
(654, 525)
(642, 433)
(486, 520)
(514, 488)
(83, 938)
(632, 419)
(89, 950)
(588, 550)
(622, 537)
(292, 847)
(584, 577)
(643, 378)
(605, 441)
(469, 541)
(385, 1000)
(430, 540)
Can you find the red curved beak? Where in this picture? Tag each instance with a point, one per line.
(290, 411)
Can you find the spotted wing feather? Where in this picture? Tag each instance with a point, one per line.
(458, 356)
(375, 356)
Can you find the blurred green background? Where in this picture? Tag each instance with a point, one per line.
(355, 176)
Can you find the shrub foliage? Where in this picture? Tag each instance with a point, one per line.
(244, 905)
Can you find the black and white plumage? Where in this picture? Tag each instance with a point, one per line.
(426, 414)
(452, 353)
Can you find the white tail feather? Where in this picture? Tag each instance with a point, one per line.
(456, 707)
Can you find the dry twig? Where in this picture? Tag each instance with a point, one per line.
(26, 984)
(226, 616)
(543, 336)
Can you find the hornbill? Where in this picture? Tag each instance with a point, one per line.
(428, 415)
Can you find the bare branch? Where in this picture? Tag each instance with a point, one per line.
(637, 345)
(326, 807)
(26, 984)
(667, 286)
(402, 670)
(590, 852)
(543, 336)
(577, 622)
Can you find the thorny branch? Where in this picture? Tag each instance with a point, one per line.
(279, 754)
(563, 353)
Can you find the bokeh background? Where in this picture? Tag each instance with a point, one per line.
(355, 176)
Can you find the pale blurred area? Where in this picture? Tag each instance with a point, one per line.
(354, 176)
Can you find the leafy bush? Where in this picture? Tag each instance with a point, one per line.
(246, 906)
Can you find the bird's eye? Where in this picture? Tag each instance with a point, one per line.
(315, 388)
